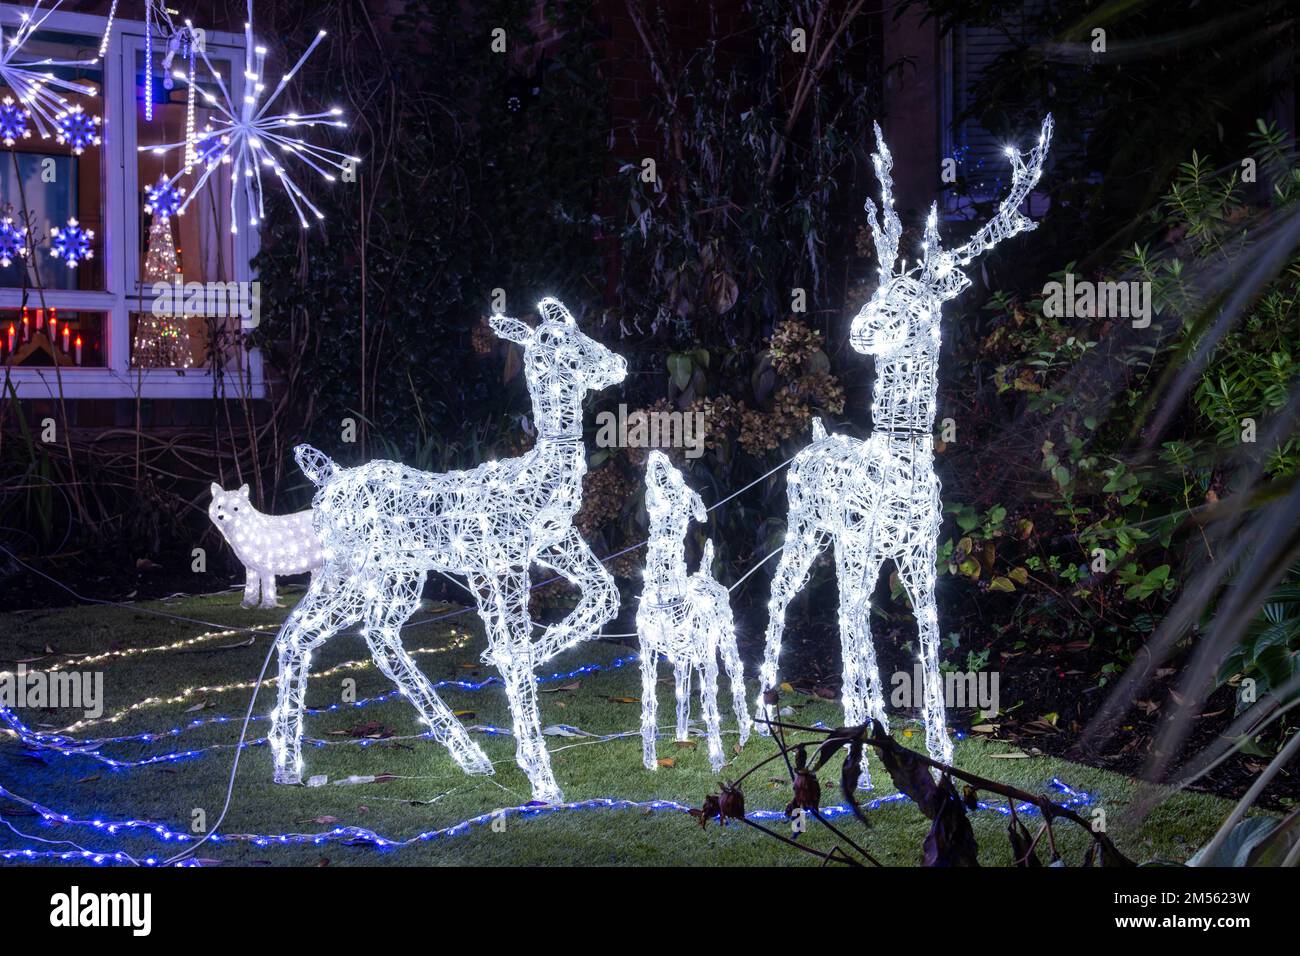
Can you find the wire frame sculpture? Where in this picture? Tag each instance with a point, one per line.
(686, 618)
(384, 526)
(266, 545)
(879, 498)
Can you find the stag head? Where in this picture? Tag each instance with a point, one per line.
(902, 317)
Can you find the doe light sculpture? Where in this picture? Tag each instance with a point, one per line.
(684, 617)
(384, 526)
(879, 498)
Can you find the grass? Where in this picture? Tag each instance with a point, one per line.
(429, 792)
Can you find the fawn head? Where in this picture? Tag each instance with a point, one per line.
(666, 494)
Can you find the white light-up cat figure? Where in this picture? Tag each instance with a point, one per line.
(266, 545)
(686, 618)
(384, 526)
(879, 498)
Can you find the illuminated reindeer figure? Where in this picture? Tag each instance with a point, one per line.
(384, 526)
(879, 498)
(686, 618)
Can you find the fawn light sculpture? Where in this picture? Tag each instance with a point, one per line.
(686, 618)
(879, 498)
(266, 545)
(384, 526)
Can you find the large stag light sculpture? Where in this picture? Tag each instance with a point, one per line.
(384, 526)
(684, 617)
(879, 498)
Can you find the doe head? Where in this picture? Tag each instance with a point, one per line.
(557, 352)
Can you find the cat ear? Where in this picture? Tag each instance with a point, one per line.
(216, 489)
(243, 491)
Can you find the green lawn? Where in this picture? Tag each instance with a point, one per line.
(429, 792)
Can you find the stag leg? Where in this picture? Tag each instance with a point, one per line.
(803, 542)
(316, 618)
(649, 700)
(916, 569)
(857, 568)
(573, 560)
(398, 600)
(709, 708)
(503, 605)
(682, 680)
(726, 646)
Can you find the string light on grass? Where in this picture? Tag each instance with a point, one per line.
(251, 140)
(72, 243)
(879, 499)
(13, 242)
(78, 129)
(33, 81)
(13, 122)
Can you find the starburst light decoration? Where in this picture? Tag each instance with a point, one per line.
(33, 81)
(684, 617)
(879, 498)
(72, 243)
(251, 141)
(13, 242)
(384, 526)
(266, 545)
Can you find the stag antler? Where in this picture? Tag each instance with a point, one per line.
(886, 239)
(938, 263)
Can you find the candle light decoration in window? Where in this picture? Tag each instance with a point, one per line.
(72, 243)
(13, 241)
(248, 138)
(37, 86)
(13, 122)
(78, 129)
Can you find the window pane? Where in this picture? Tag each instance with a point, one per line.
(39, 338)
(203, 247)
(45, 184)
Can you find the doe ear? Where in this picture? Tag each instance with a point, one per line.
(512, 330)
(243, 490)
(216, 489)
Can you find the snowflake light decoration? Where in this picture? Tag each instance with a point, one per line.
(13, 122)
(163, 199)
(78, 129)
(879, 498)
(685, 618)
(37, 87)
(266, 545)
(13, 242)
(251, 138)
(72, 243)
(384, 526)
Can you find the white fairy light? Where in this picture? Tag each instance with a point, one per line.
(384, 526)
(266, 545)
(879, 498)
(108, 28)
(35, 85)
(246, 136)
(685, 617)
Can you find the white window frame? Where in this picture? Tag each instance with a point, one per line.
(121, 238)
